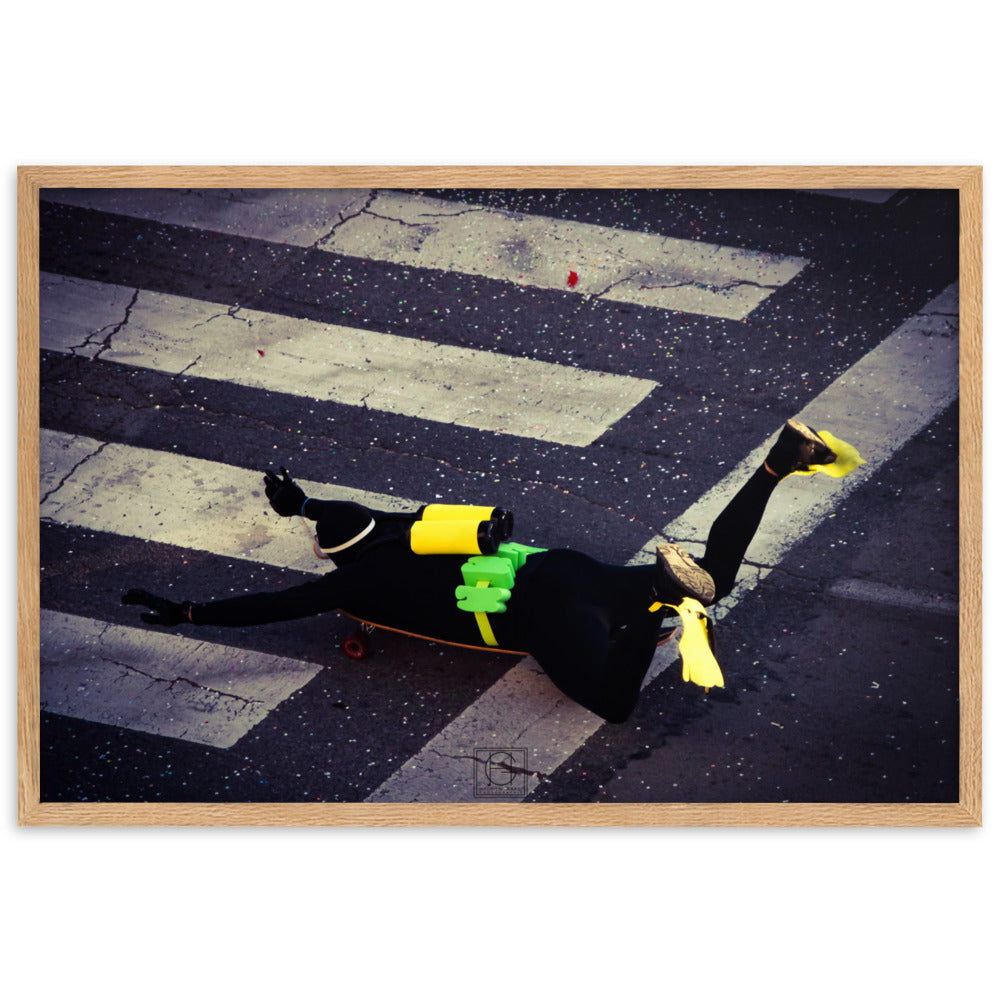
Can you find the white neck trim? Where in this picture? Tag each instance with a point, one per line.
(357, 538)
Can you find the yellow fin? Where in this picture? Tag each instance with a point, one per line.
(847, 460)
(698, 663)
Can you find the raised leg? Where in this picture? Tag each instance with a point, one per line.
(798, 448)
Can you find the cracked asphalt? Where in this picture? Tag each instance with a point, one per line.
(827, 697)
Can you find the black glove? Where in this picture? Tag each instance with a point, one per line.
(163, 612)
(286, 498)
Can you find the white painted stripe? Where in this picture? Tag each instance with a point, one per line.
(877, 405)
(877, 196)
(617, 264)
(414, 378)
(872, 592)
(160, 683)
(298, 217)
(190, 502)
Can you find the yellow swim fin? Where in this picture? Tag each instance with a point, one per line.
(698, 662)
(847, 460)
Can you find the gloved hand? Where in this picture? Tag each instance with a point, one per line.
(286, 498)
(163, 612)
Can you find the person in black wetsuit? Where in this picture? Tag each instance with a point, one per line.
(588, 624)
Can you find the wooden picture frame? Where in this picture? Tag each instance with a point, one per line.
(966, 811)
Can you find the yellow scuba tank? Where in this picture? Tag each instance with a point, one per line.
(460, 529)
(456, 538)
(502, 518)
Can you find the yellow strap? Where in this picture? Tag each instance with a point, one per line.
(483, 621)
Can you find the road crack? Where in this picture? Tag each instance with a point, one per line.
(105, 343)
(130, 668)
(62, 482)
(343, 219)
(499, 765)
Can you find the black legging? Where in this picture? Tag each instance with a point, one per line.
(733, 530)
(596, 638)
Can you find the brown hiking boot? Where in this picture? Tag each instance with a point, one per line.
(797, 448)
(679, 576)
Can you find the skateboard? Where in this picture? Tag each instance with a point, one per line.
(358, 644)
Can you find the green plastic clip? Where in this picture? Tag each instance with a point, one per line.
(483, 600)
(496, 571)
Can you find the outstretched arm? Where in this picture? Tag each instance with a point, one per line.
(325, 593)
(288, 499)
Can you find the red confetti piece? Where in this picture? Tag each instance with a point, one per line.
(573, 278)
(260, 352)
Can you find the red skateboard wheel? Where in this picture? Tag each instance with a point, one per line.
(356, 646)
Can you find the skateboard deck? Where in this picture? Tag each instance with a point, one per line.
(359, 643)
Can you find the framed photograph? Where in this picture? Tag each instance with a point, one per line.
(541, 496)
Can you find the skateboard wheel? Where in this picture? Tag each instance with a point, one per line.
(356, 646)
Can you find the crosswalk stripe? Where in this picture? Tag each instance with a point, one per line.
(617, 264)
(298, 218)
(392, 226)
(878, 405)
(870, 592)
(876, 196)
(174, 499)
(416, 378)
(160, 683)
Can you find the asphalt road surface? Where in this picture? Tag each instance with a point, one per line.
(609, 365)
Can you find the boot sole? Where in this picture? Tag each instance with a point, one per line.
(680, 568)
(807, 432)
(826, 455)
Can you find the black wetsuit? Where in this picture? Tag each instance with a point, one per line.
(586, 623)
